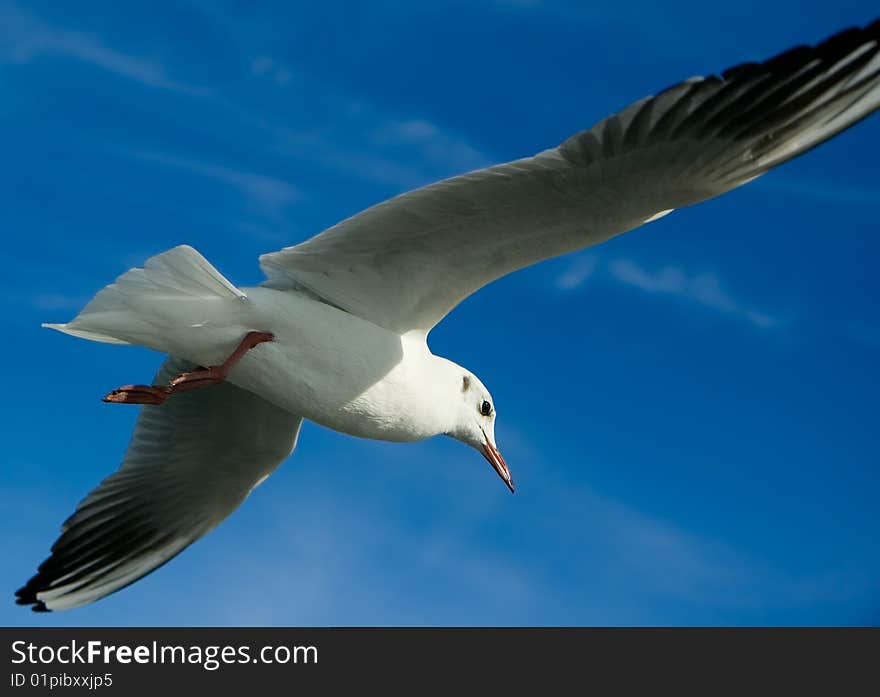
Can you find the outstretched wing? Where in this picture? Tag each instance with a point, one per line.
(406, 262)
(190, 463)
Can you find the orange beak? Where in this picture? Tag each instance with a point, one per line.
(494, 457)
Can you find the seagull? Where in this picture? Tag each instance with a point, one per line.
(338, 332)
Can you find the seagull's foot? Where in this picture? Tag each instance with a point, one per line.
(192, 380)
(157, 394)
(138, 394)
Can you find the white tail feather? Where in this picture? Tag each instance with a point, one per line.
(170, 291)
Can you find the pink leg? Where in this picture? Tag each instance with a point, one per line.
(156, 394)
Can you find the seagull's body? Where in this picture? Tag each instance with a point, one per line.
(324, 364)
(338, 333)
(344, 373)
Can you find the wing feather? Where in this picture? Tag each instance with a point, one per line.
(190, 463)
(406, 262)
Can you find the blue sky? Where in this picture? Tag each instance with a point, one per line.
(689, 411)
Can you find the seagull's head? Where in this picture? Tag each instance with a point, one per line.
(475, 423)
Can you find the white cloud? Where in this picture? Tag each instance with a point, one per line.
(58, 301)
(348, 134)
(407, 573)
(24, 37)
(576, 274)
(271, 194)
(340, 131)
(700, 288)
(358, 140)
(44, 300)
(667, 280)
(412, 131)
(761, 319)
(429, 143)
(331, 541)
(703, 288)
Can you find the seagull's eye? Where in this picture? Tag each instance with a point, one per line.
(485, 408)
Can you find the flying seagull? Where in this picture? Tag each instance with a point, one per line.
(337, 333)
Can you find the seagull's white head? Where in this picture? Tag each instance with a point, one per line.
(474, 422)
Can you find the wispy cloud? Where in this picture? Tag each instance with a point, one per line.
(342, 131)
(412, 574)
(671, 560)
(701, 288)
(24, 37)
(577, 273)
(271, 194)
(677, 560)
(58, 301)
(360, 141)
(430, 143)
(355, 137)
(330, 542)
(43, 301)
(269, 68)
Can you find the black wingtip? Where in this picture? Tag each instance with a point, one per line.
(27, 595)
(830, 50)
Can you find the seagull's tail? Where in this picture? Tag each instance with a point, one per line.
(175, 291)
